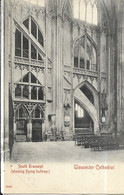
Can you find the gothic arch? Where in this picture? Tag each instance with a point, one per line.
(19, 80)
(92, 109)
(36, 24)
(67, 8)
(37, 106)
(90, 39)
(91, 114)
(91, 88)
(86, 108)
(22, 106)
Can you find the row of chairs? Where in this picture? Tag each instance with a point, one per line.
(98, 143)
(104, 143)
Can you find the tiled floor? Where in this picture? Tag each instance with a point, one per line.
(61, 152)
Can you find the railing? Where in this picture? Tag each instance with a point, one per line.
(85, 72)
(25, 61)
(21, 60)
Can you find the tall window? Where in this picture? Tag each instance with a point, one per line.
(85, 54)
(17, 43)
(22, 47)
(25, 47)
(36, 2)
(82, 117)
(86, 10)
(35, 30)
(33, 52)
(29, 87)
(79, 111)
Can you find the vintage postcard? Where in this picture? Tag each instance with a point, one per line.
(62, 96)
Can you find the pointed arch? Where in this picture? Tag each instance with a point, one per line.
(26, 23)
(93, 110)
(37, 105)
(89, 37)
(37, 111)
(29, 87)
(27, 79)
(35, 29)
(24, 108)
(88, 93)
(83, 119)
(83, 105)
(91, 88)
(85, 52)
(67, 7)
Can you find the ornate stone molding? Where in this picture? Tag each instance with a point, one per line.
(67, 73)
(80, 71)
(49, 89)
(67, 91)
(82, 24)
(85, 75)
(29, 105)
(103, 75)
(23, 63)
(67, 68)
(21, 60)
(37, 69)
(30, 8)
(22, 66)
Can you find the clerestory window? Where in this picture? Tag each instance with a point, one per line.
(85, 54)
(36, 2)
(85, 10)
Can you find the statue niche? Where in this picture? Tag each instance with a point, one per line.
(67, 107)
(104, 106)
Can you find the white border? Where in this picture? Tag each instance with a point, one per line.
(2, 96)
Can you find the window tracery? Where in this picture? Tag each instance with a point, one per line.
(37, 113)
(29, 87)
(85, 54)
(22, 45)
(86, 10)
(37, 2)
(34, 29)
(79, 111)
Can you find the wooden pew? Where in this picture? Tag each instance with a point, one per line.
(82, 135)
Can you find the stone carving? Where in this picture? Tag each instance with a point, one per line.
(67, 106)
(22, 66)
(104, 106)
(29, 106)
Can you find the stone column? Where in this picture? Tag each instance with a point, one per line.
(14, 121)
(59, 75)
(120, 67)
(43, 130)
(5, 118)
(99, 75)
(29, 130)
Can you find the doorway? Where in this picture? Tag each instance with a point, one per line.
(36, 130)
(21, 130)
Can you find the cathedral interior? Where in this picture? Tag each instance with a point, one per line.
(63, 70)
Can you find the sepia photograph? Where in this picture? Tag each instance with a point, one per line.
(63, 96)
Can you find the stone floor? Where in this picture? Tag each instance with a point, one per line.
(65, 151)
